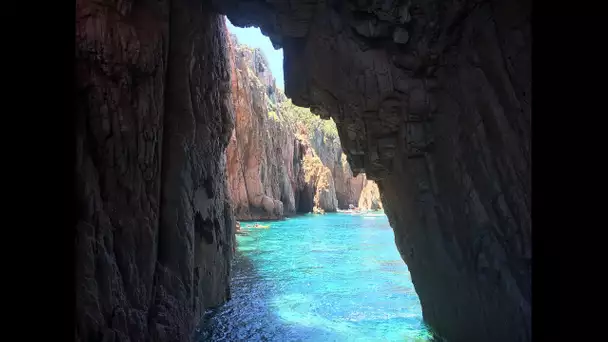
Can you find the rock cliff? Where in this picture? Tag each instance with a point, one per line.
(347, 187)
(370, 197)
(318, 182)
(155, 231)
(278, 166)
(263, 154)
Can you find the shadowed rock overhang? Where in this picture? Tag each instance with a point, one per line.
(432, 100)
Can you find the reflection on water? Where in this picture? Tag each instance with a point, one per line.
(334, 277)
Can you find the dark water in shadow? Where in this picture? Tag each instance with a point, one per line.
(335, 277)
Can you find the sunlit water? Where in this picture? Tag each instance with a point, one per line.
(334, 277)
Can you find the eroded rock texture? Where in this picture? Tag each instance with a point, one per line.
(264, 158)
(370, 196)
(277, 167)
(155, 232)
(318, 183)
(432, 100)
(347, 186)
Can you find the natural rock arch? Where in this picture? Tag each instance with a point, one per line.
(431, 99)
(442, 123)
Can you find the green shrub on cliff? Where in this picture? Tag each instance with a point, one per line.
(299, 116)
(329, 129)
(273, 115)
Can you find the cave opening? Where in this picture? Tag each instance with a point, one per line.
(299, 149)
(288, 145)
(431, 100)
(414, 91)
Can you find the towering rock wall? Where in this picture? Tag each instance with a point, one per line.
(154, 230)
(370, 196)
(347, 187)
(263, 153)
(432, 100)
(276, 167)
(318, 191)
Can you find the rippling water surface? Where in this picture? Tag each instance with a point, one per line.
(334, 277)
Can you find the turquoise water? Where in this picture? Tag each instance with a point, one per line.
(334, 277)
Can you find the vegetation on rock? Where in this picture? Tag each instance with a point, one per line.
(280, 152)
(299, 116)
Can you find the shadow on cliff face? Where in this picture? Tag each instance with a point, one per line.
(306, 197)
(249, 316)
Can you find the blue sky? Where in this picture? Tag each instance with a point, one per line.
(253, 37)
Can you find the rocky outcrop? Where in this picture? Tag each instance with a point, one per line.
(263, 153)
(432, 101)
(276, 166)
(348, 187)
(318, 183)
(154, 233)
(370, 197)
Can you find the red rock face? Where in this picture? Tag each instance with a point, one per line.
(318, 181)
(266, 154)
(370, 197)
(261, 152)
(154, 232)
(347, 187)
